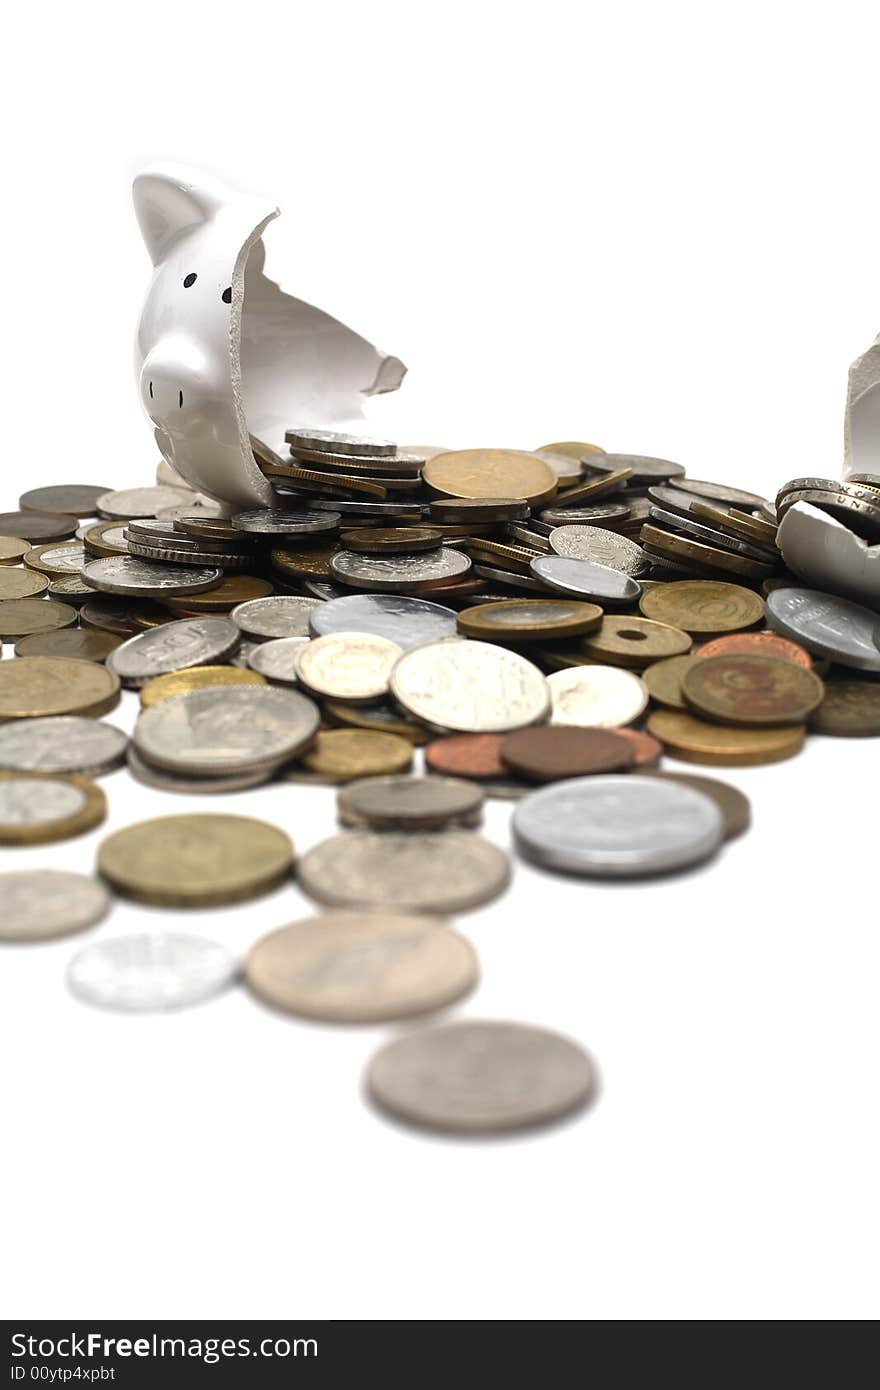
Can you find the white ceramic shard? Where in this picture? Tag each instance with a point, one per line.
(824, 552)
(223, 353)
(861, 440)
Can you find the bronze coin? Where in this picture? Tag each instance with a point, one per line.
(552, 752)
(19, 616)
(733, 804)
(647, 749)
(75, 643)
(477, 756)
(751, 690)
(391, 540)
(757, 644)
(724, 745)
(13, 549)
(664, 678)
(850, 709)
(37, 526)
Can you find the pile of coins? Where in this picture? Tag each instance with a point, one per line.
(539, 626)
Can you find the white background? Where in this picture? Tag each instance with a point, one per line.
(653, 227)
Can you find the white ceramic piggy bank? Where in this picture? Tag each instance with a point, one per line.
(862, 429)
(223, 353)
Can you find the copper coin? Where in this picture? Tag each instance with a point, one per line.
(757, 644)
(647, 750)
(551, 752)
(37, 526)
(733, 804)
(467, 755)
(752, 690)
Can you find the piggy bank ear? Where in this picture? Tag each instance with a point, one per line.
(166, 205)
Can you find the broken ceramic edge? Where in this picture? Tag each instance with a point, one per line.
(861, 443)
(820, 549)
(223, 353)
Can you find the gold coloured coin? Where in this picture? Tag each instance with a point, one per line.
(703, 605)
(15, 583)
(13, 549)
(32, 686)
(740, 524)
(342, 755)
(58, 560)
(308, 480)
(664, 678)
(570, 449)
(106, 539)
(391, 540)
(382, 718)
(307, 561)
(232, 590)
(682, 550)
(195, 678)
(508, 557)
(39, 807)
(529, 620)
(749, 689)
(19, 616)
(495, 473)
(196, 861)
(77, 643)
(592, 488)
(697, 741)
(622, 640)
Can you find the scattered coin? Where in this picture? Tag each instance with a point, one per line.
(196, 861)
(130, 577)
(194, 678)
(69, 590)
(21, 616)
(601, 697)
(383, 718)
(476, 510)
(647, 750)
(64, 743)
(692, 554)
(192, 784)
(361, 967)
(342, 755)
(410, 803)
(106, 538)
(13, 549)
(470, 687)
(174, 646)
(326, 441)
(134, 502)
(635, 642)
(16, 584)
(67, 499)
(57, 560)
(39, 904)
(585, 579)
(476, 1077)
(827, 626)
(34, 686)
(617, 827)
(664, 679)
(751, 690)
(36, 526)
(270, 522)
(347, 666)
(601, 547)
(152, 971)
(527, 620)
(757, 644)
(233, 591)
(848, 709)
(703, 605)
(36, 808)
(391, 540)
(446, 871)
(734, 806)
(697, 741)
(467, 755)
(276, 660)
(728, 496)
(642, 469)
(492, 473)
(592, 515)
(400, 574)
(549, 754)
(282, 615)
(230, 728)
(410, 622)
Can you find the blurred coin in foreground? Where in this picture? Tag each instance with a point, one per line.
(152, 971)
(39, 904)
(449, 871)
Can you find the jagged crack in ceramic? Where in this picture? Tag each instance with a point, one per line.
(223, 353)
(862, 424)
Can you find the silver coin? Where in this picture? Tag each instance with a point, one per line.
(191, 785)
(720, 492)
(859, 514)
(601, 546)
(481, 1077)
(470, 687)
(243, 654)
(206, 641)
(444, 871)
(710, 535)
(590, 515)
(352, 666)
(39, 904)
(155, 971)
(409, 511)
(319, 588)
(132, 577)
(597, 697)
(410, 803)
(608, 827)
(401, 574)
(644, 468)
(167, 555)
(70, 589)
(361, 967)
(585, 579)
(410, 622)
(519, 532)
(509, 579)
(280, 615)
(196, 506)
(827, 626)
(226, 729)
(150, 528)
(67, 743)
(38, 801)
(114, 537)
(135, 502)
(330, 442)
(269, 522)
(276, 660)
(65, 558)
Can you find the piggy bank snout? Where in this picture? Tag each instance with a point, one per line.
(173, 377)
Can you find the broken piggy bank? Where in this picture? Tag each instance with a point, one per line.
(224, 356)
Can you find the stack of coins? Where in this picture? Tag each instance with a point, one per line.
(548, 625)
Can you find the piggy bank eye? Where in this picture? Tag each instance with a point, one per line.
(226, 296)
(190, 280)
